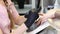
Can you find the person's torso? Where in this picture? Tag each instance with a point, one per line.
(4, 19)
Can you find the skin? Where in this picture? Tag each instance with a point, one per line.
(53, 13)
(15, 16)
(20, 30)
(57, 14)
(17, 19)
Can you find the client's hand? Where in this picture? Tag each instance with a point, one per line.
(44, 17)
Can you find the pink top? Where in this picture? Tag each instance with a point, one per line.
(4, 19)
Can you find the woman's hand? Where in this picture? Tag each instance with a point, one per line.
(45, 17)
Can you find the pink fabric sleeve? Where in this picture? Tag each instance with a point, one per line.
(4, 19)
(13, 10)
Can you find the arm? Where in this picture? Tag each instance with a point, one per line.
(15, 16)
(1, 31)
(53, 13)
(28, 22)
(4, 24)
(49, 14)
(20, 30)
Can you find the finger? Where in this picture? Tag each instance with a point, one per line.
(41, 14)
(38, 22)
(43, 21)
